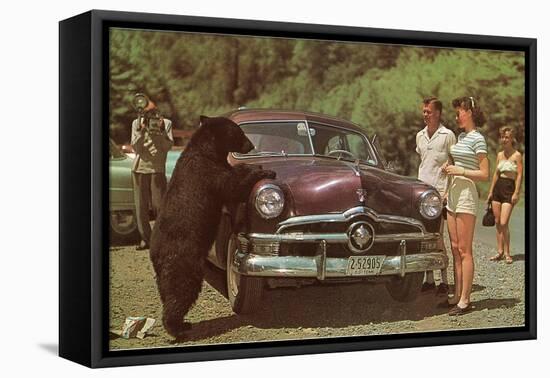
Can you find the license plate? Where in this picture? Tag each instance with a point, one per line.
(364, 265)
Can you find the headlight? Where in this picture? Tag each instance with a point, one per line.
(270, 201)
(430, 204)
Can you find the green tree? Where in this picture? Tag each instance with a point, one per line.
(379, 87)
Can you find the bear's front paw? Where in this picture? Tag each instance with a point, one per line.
(269, 174)
(264, 174)
(243, 170)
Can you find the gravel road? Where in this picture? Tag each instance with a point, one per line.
(311, 312)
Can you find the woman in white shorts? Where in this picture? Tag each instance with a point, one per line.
(470, 164)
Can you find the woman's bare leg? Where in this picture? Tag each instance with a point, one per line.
(457, 261)
(500, 242)
(465, 225)
(506, 212)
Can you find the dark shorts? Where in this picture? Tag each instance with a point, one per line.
(504, 189)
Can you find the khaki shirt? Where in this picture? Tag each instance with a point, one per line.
(434, 152)
(151, 150)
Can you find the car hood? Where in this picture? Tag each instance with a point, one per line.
(324, 185)
(171, 160)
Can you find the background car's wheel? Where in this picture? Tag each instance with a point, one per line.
(123, 227)
(405, 289)
(244, 293)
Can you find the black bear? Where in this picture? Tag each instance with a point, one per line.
(185, 229)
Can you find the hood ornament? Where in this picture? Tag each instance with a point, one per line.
(361, 195)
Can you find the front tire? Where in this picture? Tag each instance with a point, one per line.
(405, 289)
(244, 293)
(123, 227)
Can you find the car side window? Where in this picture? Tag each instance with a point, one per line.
(357, 146)
(335, 143)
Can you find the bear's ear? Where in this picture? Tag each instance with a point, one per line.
(203, 120)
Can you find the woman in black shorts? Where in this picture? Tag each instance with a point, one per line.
(505, 189)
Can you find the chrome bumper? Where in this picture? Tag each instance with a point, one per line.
(258, 254)
(322, 267)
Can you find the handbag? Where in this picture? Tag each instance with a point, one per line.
(489, 217)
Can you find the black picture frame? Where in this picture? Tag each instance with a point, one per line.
(83, 197)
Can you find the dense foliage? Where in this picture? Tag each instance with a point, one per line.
(379, 87)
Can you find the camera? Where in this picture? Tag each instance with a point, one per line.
(153, 121)
(148, 114)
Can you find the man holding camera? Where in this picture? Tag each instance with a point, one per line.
(151, 140)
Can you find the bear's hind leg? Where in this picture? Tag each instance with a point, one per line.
(173, 323)
(180, 287)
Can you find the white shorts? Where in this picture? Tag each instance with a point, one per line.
(463, 197)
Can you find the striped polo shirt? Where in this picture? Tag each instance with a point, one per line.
(465, 151)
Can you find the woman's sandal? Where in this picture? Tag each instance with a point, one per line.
(457, 311)
(497, 257)
(446, 304)
(509, 260)
(449, 303)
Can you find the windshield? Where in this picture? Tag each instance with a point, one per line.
(114, 151)
(278, 138)
(300, 138)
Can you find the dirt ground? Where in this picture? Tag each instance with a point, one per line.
(312, 312)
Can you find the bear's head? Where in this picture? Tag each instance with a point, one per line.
(219, 136)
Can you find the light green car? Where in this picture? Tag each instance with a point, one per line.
(122, 218)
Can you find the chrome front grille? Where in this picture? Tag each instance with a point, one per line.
(300, 236)
(342, 251)
(342, 227)
(266, 248)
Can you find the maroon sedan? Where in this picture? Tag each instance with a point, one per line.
(334, 213)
